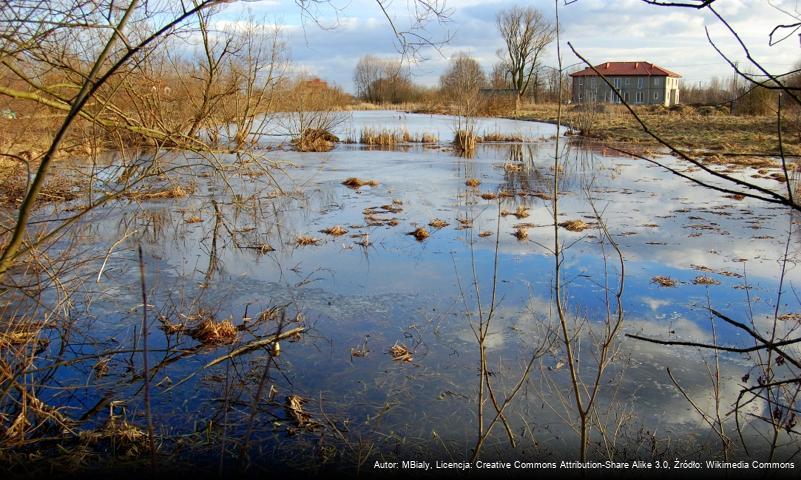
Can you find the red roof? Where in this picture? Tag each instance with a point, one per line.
(623, 69)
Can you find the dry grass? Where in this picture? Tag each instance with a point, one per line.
(420, 233)
(472, 182)
(193, 219)
(521, 233)
(664, 281)
(689, 128)
(211, 332)
(489, 196)
(704, 280)
(400, 353)
(176, 191)
(389, 138)
(315, 140)
(304, 240)
(485, 233)
(465, 140)
(501, 137)
(575, 225)
(513, 167)
(294, 406)
(18, 337)
(521, 212)
(355, 182)
(438, 223)
(790, 317)
(336, 230)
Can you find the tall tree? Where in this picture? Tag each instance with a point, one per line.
(461, 83)
(526, 33)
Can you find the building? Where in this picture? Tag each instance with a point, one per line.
(634, 82)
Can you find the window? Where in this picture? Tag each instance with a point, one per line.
(617, 83)
(592, 82)
(627, 82)
(580, 97)
(656, 95)
(625, 96)
(640, 82)
(581, 82)
(639, 98)
(657, 81)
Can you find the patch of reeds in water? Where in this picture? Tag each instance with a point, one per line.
(211, 332)
(501, 137)
(465, 140)
(388, 138)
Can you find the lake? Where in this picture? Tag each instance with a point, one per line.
(388, 365)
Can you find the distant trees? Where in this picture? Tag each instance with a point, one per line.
(526, 34)
(461, 82)
(379, 80)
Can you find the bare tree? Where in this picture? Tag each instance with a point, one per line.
(461, 83)
(526, 34)
(381, 80)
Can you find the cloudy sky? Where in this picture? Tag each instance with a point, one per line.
(328, 39)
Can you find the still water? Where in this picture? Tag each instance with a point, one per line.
(230, 251)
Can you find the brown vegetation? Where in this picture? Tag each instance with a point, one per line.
(472, 182)
(211, 332)
(400, 353)
(695, 129)
(355, 182)
(420, 233)
(304, 240)
(336, 230)
(574, 225)
(664, 281)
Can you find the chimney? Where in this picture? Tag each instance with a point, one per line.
(636, 65)
(607, 65)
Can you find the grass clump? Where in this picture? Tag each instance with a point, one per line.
(336, 230)
(400, 353)
(465, 140)
(304, 240)
(355, 182)
(210, 332)
(664, 281)
(575, 225)
(704, 280)
(438, 223)
(521, 233)
(420, 233)
(472, 182)
(315, 140)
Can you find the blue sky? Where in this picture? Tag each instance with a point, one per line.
(329, 42)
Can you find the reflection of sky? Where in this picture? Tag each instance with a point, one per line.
(399, 289)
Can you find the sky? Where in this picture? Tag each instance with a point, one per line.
(328, 39)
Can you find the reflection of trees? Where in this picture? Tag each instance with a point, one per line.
(527, 172)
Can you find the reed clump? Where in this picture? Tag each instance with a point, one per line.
(574, 225)
(355, 182)
(465, 140)
(420, 233)
(387, 138)
(211, 332)
(304, 240)
(336, 230)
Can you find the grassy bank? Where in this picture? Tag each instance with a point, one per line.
(698, 129)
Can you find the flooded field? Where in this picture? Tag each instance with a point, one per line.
(381, 360)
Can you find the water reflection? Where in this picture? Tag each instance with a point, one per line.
(230, 251)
